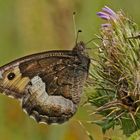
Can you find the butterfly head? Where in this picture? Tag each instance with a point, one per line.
(80, 51)
(79, 47)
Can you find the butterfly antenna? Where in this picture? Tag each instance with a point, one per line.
(76, 40)
(74, 24)
(75, 29)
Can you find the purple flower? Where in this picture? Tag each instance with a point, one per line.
(109, 11)
(106, 25)
(103, 15)
(107, 14)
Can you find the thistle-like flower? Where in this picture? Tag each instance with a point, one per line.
(116, 73)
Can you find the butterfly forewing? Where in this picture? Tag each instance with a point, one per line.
(50, 84)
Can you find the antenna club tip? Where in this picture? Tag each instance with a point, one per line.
(79, 31)
(74, 13)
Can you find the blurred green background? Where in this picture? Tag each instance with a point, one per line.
(31, 26)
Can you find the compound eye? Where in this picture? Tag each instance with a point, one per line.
(11, 76)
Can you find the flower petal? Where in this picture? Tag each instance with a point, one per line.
(103, 15)
(106, 25)
(109, 12)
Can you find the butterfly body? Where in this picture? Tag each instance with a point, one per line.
(49, 84)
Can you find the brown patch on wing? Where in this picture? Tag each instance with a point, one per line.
(62, 76)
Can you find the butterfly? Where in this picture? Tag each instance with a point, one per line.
(48, 84)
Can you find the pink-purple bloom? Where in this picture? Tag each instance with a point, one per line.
(107, 13)
(106, 25)
(103, 15)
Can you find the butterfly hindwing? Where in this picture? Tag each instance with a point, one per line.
(50, 84)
